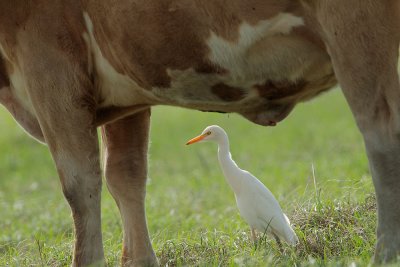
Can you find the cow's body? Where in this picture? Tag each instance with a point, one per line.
(67, 68)
(179, 48)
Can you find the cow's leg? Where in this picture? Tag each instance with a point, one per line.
(72, 140)
(125, 152)
(60, 92)
(363, 40)
(76, 155)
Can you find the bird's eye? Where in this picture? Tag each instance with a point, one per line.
(208, 133)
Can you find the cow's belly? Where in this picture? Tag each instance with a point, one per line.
(261, 75)
(263, 83)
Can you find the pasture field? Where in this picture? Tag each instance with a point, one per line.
(313, 162)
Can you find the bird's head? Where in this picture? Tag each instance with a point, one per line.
(211, 133)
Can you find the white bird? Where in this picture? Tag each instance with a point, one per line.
(256, 204)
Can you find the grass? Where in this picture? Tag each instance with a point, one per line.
(313, 162)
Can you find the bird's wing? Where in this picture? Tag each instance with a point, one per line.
(258, 188)
(264, 202)
(254, 195)
(260, 207)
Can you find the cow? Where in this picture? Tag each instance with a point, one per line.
(69, 67)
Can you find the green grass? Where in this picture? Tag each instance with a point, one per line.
(313, 162)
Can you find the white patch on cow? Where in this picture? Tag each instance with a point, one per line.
(238, 56)
(193, 90)
(115, 89)
(267, 51)
(184, 83)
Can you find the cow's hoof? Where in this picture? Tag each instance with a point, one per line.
(387, 249)
(147, 262)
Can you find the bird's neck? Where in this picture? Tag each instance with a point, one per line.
(229, 168)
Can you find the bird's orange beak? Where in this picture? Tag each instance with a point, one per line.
(196, 139)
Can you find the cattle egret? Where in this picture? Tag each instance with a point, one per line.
(255, 202)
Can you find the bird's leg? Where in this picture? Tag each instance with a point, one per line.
(253, 235)
(278, 241)
(256, 242)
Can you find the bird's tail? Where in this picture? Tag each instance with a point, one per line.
(290, 235)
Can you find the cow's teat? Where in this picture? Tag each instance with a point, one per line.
(269, 115)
